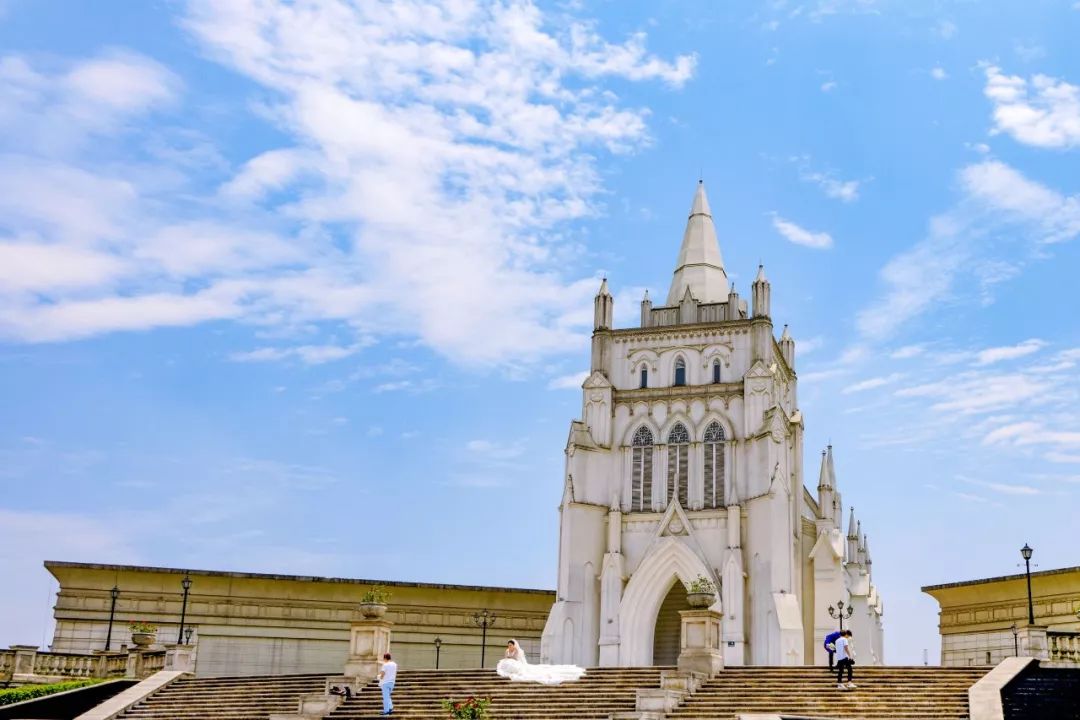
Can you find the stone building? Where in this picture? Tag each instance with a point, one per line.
(982, 622)
(261, 624)
(687, 462)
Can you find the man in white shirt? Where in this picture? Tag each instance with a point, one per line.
(387, 677)
(845, 658)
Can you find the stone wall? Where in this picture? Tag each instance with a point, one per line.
(246, 624)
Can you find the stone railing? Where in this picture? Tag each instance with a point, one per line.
(1064, 647)
(24, 664)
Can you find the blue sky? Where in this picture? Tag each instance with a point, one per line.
(310, 290)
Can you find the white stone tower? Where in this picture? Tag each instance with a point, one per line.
(687, 462)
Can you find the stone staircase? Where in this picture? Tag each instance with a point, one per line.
(227, 698)
(916, 693)
(884, 693)
(418, 693)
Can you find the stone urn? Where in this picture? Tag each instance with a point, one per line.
(700, 599)
(372, 611)
(143, 640)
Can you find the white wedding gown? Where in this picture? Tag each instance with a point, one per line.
(518, 669)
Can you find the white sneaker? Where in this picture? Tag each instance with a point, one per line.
(841, 686)
(852, 686)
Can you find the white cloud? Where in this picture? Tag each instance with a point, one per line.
(994, 196)
(945, 29)
(801, 236)
(568, 382)
(1044, 112)
(1010, 352)
(872, 383)
(432, 154)
(1005, 488)
(828, 86)
(489, 450)
(938, 73)
(1029, 53)
(809, 345)
(908, 351)
(308, 354)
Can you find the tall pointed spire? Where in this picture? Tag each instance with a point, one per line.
(832, 468)
(823, 477)
(700, 266)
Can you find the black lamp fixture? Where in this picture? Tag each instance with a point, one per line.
(187, 634)
(483, 620)
(114, 593)
(1026, 553)
(438, 647)
(1016, 640)
(840, 613)
(186, 584)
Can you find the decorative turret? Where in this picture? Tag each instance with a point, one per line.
(852, 538)
(862, 546)
(733, 303)
(700, 266)
(787, 347)
(760, 294)
(603, 308)
(826, 496)
(646, 310)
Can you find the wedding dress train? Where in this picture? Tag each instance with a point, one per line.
(517, 668)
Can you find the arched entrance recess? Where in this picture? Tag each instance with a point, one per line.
(670, 559)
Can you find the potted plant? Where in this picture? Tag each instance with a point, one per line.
(143, 634)
(701, 592)
(373, 602)
(471, 708)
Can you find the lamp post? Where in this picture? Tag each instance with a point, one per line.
(484, 620)
(1026, 552)
(186, 584)
(187, 634)
(438, 647)
(839, 613)
(115, 593)
(1016, 640)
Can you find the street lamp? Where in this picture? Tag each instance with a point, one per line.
(1026, 552)
(438, 647)
(839, 613)
(1016, 640)
(186, 584)
(115, 593)
(187, 634)
(483, 620)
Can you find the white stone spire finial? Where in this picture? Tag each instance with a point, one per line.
(823, 477)
(851, 524)
(832, 467)
(700, 266)
(760, 274)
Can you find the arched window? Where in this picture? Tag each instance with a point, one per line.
(644, 376)
(641, 470)
(716, 371)
(680, 372)
(678, 466)
(714, 465)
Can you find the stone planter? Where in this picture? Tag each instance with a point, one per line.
(143, 639)
(700, 599)
(372, 611)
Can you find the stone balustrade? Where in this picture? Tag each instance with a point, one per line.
(1064, 647)
(25, 665)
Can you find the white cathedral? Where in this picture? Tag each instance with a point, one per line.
(687, 463)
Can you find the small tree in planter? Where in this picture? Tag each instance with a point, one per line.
(143, 634)
(471, 708)
(373, 602)
(701, 592)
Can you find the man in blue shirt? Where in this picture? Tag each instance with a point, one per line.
(830, 646)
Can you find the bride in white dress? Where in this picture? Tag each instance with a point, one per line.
(516, 667)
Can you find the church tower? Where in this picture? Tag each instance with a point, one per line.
(687, 463)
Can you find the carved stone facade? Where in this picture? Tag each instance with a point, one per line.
(260, 624)
(984, 621)
(687, 463)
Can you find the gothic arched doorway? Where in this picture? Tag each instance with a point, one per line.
(667, 635)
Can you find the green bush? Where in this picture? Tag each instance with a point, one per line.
(29, 692)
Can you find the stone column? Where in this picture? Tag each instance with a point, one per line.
(368, 641)
(701, 651)
(180, 658)
(1033, 642)
(24, 659)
